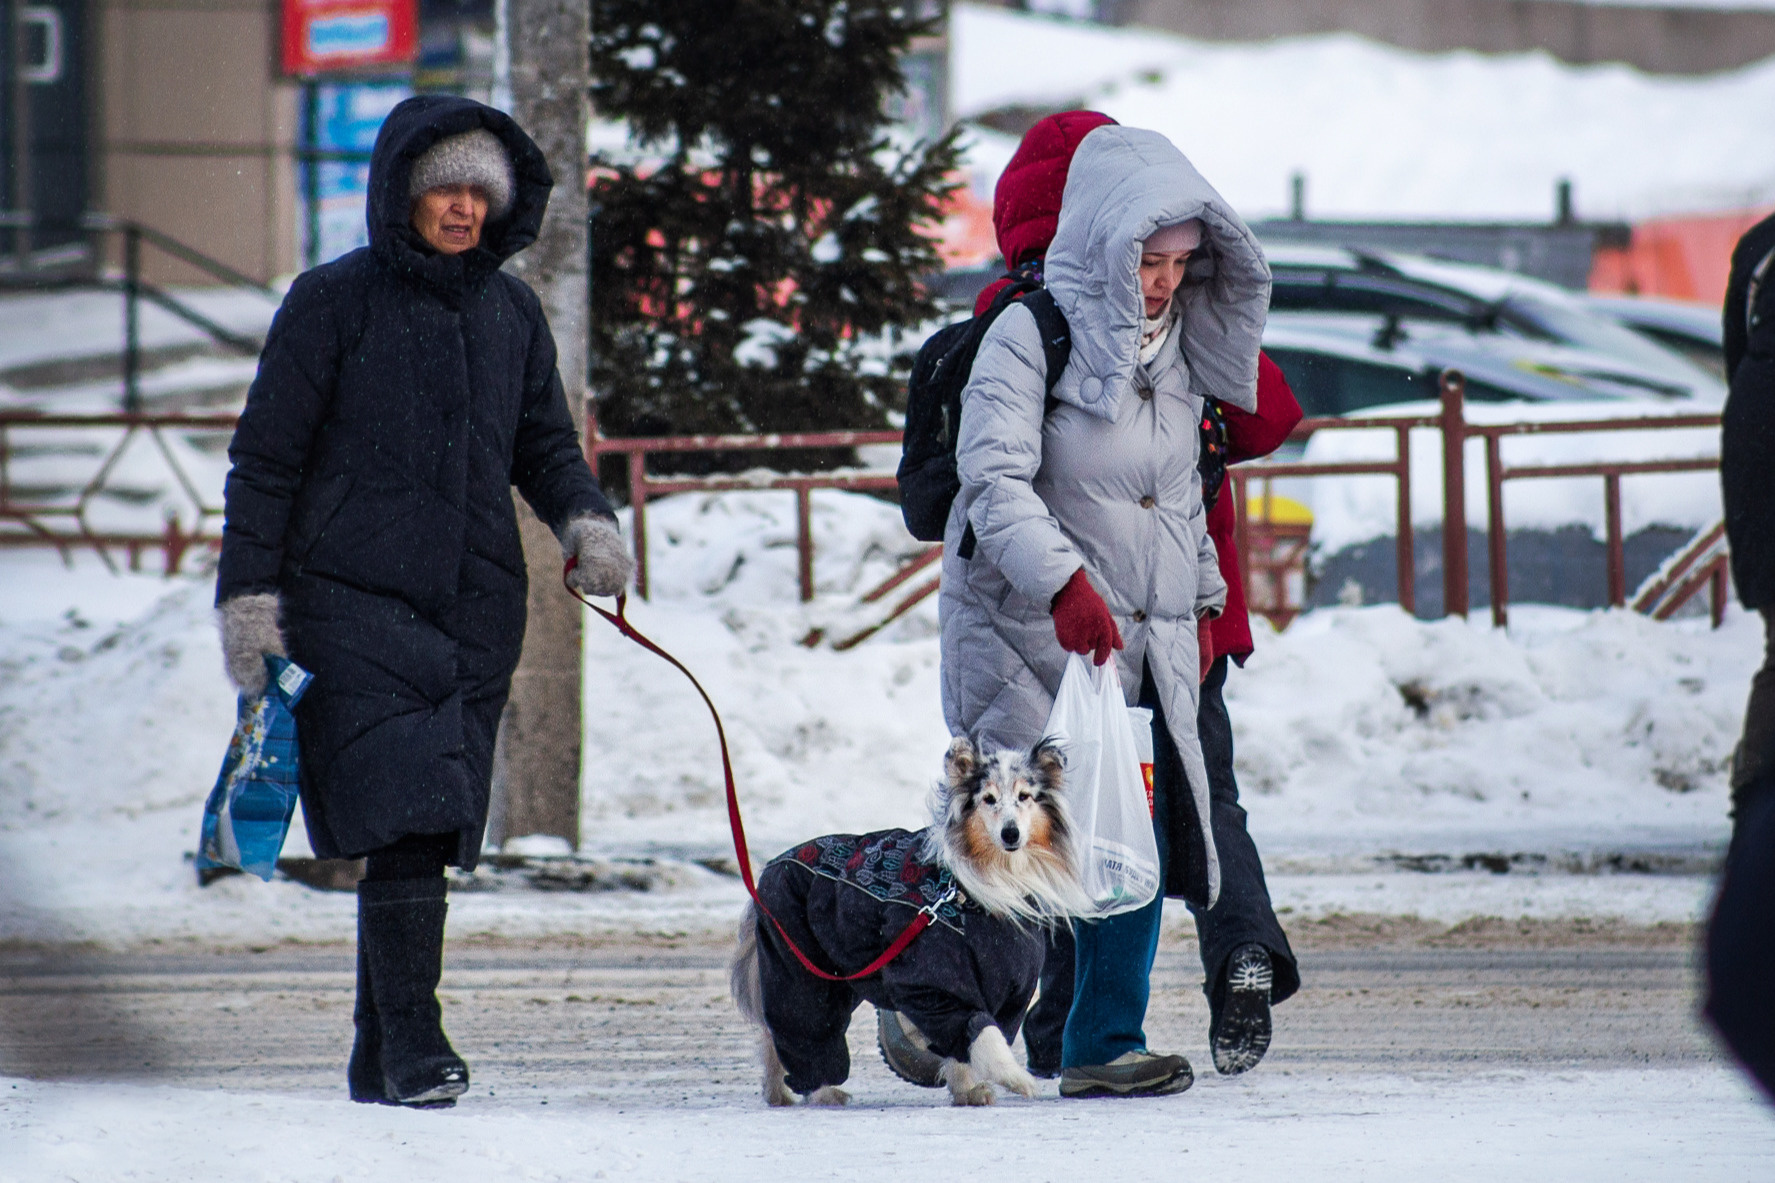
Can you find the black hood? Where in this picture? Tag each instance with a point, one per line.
(411, 128)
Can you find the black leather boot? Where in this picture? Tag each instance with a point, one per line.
(364, 1074)
(401, 926)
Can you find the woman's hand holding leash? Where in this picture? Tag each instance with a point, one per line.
(598, 564)
(1082, 621)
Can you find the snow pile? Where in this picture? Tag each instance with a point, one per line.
(1348, 510)
(1363, 730)
(1362, 734)
(821, 740)
(1383, 132)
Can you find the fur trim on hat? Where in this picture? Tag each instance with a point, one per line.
(472, 158)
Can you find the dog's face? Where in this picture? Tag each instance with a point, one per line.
(1005, 800)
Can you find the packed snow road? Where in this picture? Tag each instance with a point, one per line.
(629, 1022)
(1472, 1052)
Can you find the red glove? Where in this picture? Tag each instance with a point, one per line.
(1205, 642)
(1082, 621)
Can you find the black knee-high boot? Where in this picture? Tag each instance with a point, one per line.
(401, 925)
(364, 1074)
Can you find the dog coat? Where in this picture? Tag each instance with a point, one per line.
(843, 899)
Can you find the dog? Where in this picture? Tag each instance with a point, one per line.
(994, 868)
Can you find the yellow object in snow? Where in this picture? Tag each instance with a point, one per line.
(1276, 510)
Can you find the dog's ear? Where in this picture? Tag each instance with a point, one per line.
(1048, 759)
(960, 762)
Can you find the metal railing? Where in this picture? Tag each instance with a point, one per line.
(61, 515)
(1456, 430)
(1450, 421)
(643, 487)
(133, 288)
(1399, 468)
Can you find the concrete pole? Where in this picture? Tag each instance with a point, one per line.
(536, 778)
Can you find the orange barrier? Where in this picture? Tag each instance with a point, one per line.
(1679, 258)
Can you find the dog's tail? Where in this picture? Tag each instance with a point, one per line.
(743, 980)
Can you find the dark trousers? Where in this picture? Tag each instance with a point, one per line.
(416, 856)
(1754, 761)
(1242, 915)
(1740, 952)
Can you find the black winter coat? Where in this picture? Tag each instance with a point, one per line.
(1747, 438)
(400, 396)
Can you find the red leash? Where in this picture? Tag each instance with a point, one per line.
(920, 922)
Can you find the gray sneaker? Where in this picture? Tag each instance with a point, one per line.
(906, 1051)
(1131, 1074)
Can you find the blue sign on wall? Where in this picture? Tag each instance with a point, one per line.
(343, 119)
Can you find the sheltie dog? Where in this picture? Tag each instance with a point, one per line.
(995, 867)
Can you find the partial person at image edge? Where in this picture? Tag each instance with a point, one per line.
(1740, 953)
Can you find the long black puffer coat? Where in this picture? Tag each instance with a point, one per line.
(400, 396)
(1747, 439)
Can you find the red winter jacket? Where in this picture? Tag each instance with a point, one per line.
(1248, 436)
(1025, 211)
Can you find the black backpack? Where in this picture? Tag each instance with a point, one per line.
(927, 478)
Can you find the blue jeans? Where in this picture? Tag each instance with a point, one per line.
(1112, 970)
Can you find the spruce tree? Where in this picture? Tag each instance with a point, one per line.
(755, 266)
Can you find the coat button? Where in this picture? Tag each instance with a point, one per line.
(1146, 394)
(1139, 616)
(1147, 503)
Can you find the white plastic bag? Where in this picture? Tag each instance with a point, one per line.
(1112, 827)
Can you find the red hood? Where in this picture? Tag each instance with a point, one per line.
(1026, 202)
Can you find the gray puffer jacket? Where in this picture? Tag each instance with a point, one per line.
(1107, 480)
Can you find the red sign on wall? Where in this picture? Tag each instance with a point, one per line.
(326, 36)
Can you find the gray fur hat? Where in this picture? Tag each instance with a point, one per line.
(471, 158)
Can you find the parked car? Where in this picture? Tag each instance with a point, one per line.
(1693, 330)
(1338, 363)
(1485, 304)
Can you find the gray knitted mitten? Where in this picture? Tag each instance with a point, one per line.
(604, 564)
(249, 632)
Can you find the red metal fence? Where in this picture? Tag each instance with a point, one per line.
(62, 517)
(59, 514)
(1450, 421)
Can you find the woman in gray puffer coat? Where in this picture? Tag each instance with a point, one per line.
(1080, 525)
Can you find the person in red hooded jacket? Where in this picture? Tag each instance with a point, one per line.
(1246, 960)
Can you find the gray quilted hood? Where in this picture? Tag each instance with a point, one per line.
(1123, 184)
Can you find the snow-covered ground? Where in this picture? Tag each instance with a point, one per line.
(1384, 132)
(1367, 741)
(1602, 1126)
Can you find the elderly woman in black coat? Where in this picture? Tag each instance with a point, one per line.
(370, 536)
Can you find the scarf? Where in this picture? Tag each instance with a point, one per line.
(1154, 333)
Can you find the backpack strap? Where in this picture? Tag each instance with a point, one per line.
(1056, 336)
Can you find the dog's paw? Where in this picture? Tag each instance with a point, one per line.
(777, 1094)
(979, 1093)
(829, 1096)
(1021, 1083)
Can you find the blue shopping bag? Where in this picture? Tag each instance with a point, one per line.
(248, 812)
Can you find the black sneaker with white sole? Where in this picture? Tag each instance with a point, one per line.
(906, 1051)
(1239, 1030)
